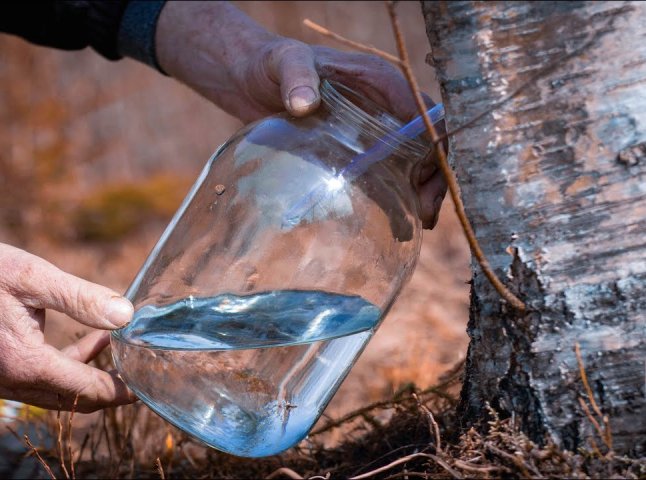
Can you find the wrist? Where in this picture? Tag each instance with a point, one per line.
(137, 31)
(192, 36)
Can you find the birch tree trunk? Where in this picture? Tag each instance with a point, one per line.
(553, 178)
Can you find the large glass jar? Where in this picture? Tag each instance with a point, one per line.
(273, 275)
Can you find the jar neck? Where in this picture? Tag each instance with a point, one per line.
(378, 128)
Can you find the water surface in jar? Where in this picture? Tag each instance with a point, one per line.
(249, 375)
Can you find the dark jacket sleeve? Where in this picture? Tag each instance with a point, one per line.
(114, 28)
(69, 25)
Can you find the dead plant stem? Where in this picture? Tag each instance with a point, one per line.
(404, 63)
(434, 428)
(284, 471)
(475, 468)
(40, 459)
(70, 453)
(59, 440)
(584, 379)
(406, 475)
(160, 469)
(592, 420)
(351, 43)
(520, 464)
(606, 433)
(405, 459)
(451, 181)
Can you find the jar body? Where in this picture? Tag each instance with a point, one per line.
(268, 283)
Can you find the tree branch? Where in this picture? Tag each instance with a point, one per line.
(403, 62)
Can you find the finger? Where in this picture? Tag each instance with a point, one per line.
(46, 398)
(431, 195)
(39, 284)
(68, 378)
(87, 348)
(37, 397)
(370, 75)
(292, 66)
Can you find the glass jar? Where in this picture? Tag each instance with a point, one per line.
(273, 275)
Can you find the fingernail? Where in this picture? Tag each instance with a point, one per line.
(119, 311)
(437, 204)
(302, 98)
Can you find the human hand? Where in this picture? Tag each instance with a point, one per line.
(33, 372)
(251, 73)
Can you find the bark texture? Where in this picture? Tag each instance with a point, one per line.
(553, 178)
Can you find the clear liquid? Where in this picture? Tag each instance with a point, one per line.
(248, 375)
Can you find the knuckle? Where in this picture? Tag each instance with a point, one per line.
(23, 275)
(20, 276)
(75, 297)
(377, 63)
(95, 390)
(72, 383)
(288, 49)
(285, 45)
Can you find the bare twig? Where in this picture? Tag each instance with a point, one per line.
(595, 447)
(351, 43)
(406, 475)
(40, 459)
(13, 432)
(59, 440)
(352, 415)
(476, 468)
(516, 460)
(452, 182)
(320, 477)
(447, 379)
(432, 424)
(405, 459)
(445, 466)
(592, 420)
(584, 379)
(608, 431)
(404, 63)
(160, 469)
(605, 434)
(284, 471)
(416, 446)
(70, 453)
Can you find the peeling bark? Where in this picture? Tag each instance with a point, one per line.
(554, 180)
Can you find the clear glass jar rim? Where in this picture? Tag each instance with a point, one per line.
(332, 95)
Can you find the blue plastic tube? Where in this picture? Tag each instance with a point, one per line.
(359, 164)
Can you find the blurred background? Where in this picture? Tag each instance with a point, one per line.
(95, 156)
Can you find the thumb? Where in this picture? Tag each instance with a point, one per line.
(293, 68)
(39, 284)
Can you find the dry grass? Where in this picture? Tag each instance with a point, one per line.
(420, 439)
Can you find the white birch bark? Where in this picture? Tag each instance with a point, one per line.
(554, 181)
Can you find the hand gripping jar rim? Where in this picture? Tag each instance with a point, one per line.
(380, 125)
